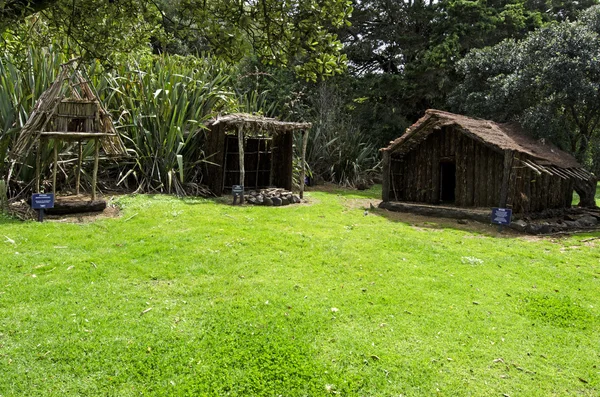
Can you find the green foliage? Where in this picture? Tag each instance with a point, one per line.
(159, 108)
(547, 81)
(402, 54)
(338, 151)
(242, 303)
(297, 33)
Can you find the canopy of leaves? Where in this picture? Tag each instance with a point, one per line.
(549, 81)
(403, 53)
(297, 32)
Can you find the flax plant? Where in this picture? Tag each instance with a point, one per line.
(159, 110)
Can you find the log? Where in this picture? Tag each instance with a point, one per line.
(76, 207)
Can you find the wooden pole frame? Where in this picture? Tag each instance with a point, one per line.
(54, 165)
(79, 164)
(95, 173)
(303, 161)
(38, 165)
(241, 156)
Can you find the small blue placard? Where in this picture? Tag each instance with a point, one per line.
(237, 190)
(42, 201)
(501, 216)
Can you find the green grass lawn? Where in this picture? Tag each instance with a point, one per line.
(193, 297)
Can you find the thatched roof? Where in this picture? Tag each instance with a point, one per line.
(69, 87)
(499, 137)
(255, 124)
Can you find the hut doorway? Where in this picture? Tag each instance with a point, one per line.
(447, 181)
(257, 162)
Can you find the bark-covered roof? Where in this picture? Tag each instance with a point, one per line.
(256, 124)
(499, 137)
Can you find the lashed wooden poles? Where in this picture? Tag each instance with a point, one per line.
(241, 155)
(303, 170)
(95, 174)
(38, 166)
(79, 164)
(54, 166)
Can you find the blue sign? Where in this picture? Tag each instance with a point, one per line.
(42, 201)
(501, 216)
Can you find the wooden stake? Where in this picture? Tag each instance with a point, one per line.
(95, 174)
(79, 164)
(54, 166)
(303, 171)
(38, 166)
(241, 155)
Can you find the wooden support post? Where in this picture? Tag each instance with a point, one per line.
(506, 177)
(79, 164)
(241, 155)
(95, 174)
(38, 166)
(303, 160)
(385, 188)
(54, 165)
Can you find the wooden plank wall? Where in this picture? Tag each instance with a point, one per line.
(415, 176)
(215, 153)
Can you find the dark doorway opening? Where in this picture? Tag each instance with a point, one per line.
(447, 182)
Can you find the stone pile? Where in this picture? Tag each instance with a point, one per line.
(271, 197)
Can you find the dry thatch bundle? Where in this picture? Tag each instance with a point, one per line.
(69, 110)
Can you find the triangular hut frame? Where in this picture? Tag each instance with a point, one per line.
(69, 110)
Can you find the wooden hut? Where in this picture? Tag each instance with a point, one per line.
(65, 116)
(468, 162)
(252, 151)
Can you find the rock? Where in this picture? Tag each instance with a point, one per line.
(260, 199)
(519, 225)
(250, 199)
(285, 201)
(462, 221)
(296, 199)
(538, 228)
(587, 221)
(268, 202)
(276, 201)
(572, 224)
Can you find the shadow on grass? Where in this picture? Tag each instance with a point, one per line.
(368, 200)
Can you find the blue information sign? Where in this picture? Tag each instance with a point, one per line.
(501, 216)
(42, 201)
(238, 193)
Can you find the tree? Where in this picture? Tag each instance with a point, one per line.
(296, 32)
(403, 53)
(549, 82)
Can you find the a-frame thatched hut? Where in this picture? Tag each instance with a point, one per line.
(252, 151)
(68, 111)
(449, 158)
